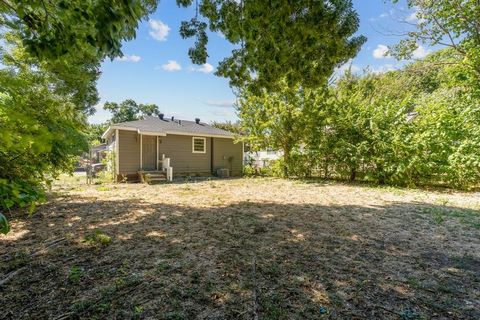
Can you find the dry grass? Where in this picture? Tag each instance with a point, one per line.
(188, 251)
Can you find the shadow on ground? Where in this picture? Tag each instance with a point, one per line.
(288, 261)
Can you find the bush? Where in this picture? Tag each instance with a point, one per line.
(98, 237)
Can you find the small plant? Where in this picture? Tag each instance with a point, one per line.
(98, 237)
(4, 226)
(138, 311)
(103, 188)
(75, 274)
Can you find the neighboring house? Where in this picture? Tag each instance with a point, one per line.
(98, 153)
(261, 158)
(188, 148)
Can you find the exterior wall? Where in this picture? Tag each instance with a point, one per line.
(227, 154)
(129, 152)
(179, 149)
(184, 162)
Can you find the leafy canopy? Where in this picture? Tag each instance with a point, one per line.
(301, 41)
(451, 23)
(129, 110)
(416, 126)
(41, 123)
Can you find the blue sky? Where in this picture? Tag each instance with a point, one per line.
(156, 68)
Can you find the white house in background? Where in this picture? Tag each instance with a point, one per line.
(262, 158)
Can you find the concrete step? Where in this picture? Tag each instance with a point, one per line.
(156, 175)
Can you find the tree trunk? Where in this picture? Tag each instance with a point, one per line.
(353, 174)
(286, 160)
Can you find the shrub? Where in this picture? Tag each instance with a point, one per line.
(97, 237)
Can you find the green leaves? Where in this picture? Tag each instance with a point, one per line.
(420, 125)
(51, 29)
(300, 41)
(450, 23)
(129, 110)
(4, 226)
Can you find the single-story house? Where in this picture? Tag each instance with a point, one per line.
(177, 147)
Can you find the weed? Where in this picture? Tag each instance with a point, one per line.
(466, 217)
(75, 274)
(444, 287)
(442, 201)
(138, 311)
(97, 237)
(103, 188)
(413, 282)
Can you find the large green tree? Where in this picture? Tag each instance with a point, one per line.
(300, 40)
(451, 23)
(129, 110)
(40, 124)
(274, 120)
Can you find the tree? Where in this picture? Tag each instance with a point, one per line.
(415, 126)
(129, 110)
(230, 126)
(41, 128)
(273, 120)
(95, 132)
(302, 41)
(51, 29)
(451, 23)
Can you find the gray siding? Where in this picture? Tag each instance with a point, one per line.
(179, 149)
(129, 152)
(227, 154)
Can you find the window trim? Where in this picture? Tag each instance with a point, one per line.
(204, 145)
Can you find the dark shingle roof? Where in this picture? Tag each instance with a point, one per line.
(167, 126)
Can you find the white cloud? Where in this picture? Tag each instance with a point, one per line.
(159, 30)
(384, 15)
(420, 52)
(220, 103)
(385, 68)
(171, 66)
(205, 68)
(129, 58)
(380, 52)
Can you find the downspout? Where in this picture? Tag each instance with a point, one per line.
(117, 154)
(141, 151)
(211, 155)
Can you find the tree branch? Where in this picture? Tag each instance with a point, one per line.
(8, 5)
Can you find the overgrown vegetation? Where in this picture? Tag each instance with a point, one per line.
(42, 117)
(416, 126)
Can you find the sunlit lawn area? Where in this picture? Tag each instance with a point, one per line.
(230, 249)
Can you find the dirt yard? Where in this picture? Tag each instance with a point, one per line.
(242, 249)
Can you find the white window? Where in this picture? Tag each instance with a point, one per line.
(199, 145)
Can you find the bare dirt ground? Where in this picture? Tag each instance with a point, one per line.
(243, 249)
